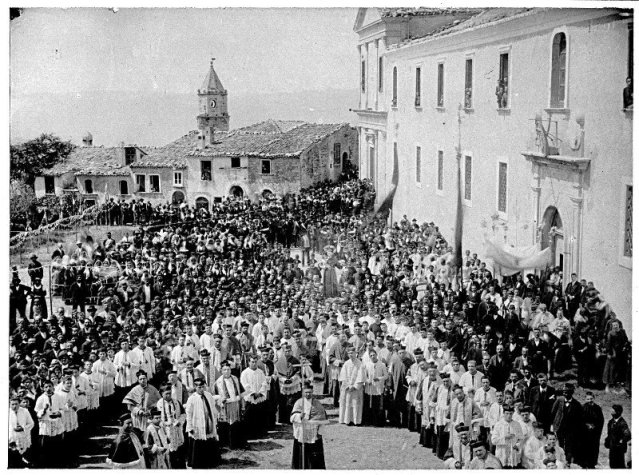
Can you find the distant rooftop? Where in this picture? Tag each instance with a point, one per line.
(97, 161)
(271, 138)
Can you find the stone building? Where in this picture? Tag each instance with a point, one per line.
(207, 165)
(93, 173)
(528, 103)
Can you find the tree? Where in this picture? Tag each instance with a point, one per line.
(21, 198)
(30, 158)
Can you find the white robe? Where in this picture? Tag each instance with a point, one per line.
(126, 375)
(196, 413)
(507, 451)
(375, 370)
(351, 398)
(92, 384)
(146, 359)
(22, 438)
(255, 383)
(43, 407)
(172, 420)
(105, 371)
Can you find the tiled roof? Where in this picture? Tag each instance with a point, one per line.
(420, 11)
(98, 161)
(470, 18)
(262, 140)
(269, 126)
(169, 156)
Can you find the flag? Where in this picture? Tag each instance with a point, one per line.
(106, 192)
(387, 204)
(459, 219)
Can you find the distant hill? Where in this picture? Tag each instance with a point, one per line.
(156, 119)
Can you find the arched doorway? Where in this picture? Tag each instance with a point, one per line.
(178, 197)
(267, 194)
(552, 235)
(236, 192)
(202, 202)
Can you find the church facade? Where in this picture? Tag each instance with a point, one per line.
(527, 106)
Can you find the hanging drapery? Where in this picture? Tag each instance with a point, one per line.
(511, 260)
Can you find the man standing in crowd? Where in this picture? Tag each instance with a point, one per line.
(618, 437)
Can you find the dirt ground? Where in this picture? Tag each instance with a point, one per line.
(345, 448)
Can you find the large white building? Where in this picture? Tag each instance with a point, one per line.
(532, 99)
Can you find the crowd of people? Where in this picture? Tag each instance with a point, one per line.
(221, 325)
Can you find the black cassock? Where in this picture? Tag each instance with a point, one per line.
(313, 455)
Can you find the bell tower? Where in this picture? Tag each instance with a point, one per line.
(213, 108)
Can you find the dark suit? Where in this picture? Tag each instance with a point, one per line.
(594, 421)
(539, 356)
(527, 386)
(498, 372)
(541, 404)
(617, 442)
(573, 294)
(568, 423)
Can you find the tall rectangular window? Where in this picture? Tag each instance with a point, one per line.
(49, 185)
(394, 103)
(337, 154)
(88, 186)
(177, 178)
(468, 84)
(627, 241)
(502, 91)
(205, 168)
(440, 170)
(235, 162)
(502, 188)
(363, 76)
(154, 183)
(266, 167)
(418, 87)
(418, 164)
(440, 85)
(140, 183)
(129, 155)
(558, 72)
(380, 74)
(468, 178)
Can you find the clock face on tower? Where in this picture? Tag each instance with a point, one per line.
(213, 103)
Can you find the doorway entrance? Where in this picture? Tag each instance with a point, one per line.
(552, 235)
(236, 192)
(178, 197)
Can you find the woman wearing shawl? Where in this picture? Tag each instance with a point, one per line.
(140, 400)
(307, 416)
(126, 451)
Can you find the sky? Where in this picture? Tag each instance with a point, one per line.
(74, 50)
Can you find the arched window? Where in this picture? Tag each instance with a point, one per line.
(124, 187)
(558, 71)
(88, 186)
(394, 104)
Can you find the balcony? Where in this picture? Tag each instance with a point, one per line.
(558, 143)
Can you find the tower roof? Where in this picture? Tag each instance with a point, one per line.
(212, 83)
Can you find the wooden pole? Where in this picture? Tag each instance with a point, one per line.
(50, 293)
